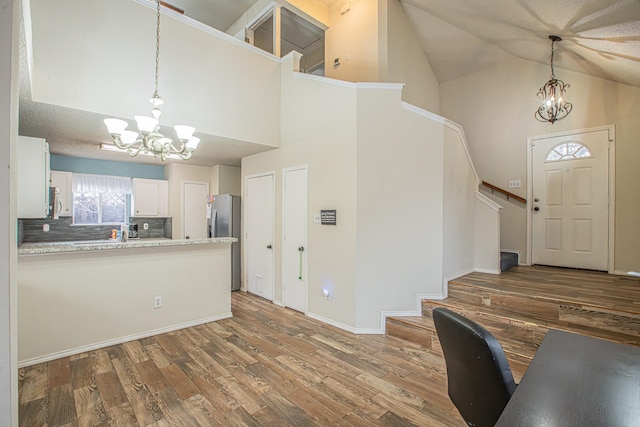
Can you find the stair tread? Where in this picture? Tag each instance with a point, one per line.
(597, 331)
(622, 298)
(545, 323)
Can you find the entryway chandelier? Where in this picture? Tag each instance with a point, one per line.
(149, 140)
(554, 107)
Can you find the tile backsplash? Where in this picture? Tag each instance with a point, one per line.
(61, 230)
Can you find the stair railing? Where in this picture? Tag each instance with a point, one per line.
(509, 194)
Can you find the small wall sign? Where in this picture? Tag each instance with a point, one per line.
(328, 217)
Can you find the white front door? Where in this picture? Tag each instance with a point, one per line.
(194, 211)
(259, 214)
(294, 238)
(570, 200)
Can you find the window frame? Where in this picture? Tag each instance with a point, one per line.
(100, 210)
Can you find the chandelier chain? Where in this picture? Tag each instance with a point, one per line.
(155, 94)
(150, 140)
(553, 74)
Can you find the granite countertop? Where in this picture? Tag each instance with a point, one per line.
(100, 245)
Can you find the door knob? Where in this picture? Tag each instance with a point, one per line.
(536, 208)
(301, 248)
(268, 246)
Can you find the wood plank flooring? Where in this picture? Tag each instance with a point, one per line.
(564, 284)
(265, 366)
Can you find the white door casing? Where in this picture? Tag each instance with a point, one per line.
(570, 219)
(259, 214)
(194, 209)
(294, 238)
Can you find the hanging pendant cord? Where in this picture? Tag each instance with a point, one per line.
(553, 74)
(155, 94)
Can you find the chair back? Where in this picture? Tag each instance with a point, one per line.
(479, 378)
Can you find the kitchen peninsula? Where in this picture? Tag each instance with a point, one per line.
(78, 296)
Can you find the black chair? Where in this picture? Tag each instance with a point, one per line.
(479, 378)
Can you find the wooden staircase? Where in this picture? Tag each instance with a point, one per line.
(519, 306)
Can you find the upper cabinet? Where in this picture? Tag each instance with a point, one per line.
(33, 177)
(150, 198)
(63, 181)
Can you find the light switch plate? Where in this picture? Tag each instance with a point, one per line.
(515, 183)
(316, 218)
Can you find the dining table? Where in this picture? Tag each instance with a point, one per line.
(577, 380)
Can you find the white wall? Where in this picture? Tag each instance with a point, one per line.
(226, 180)
(399, 211)
(9, 11)
(487, 235)
(497, 134)
(319, 130)
(459, 208)
(354, 34)
(176, 174)
(109, 296)
(382, 46)
(406, 61)
(103, 62)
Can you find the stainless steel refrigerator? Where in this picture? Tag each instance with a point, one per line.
(223, 220)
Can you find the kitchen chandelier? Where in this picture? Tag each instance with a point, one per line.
(554, 107)
(149, 140)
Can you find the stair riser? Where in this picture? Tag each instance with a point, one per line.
(548, 310)
(410, 333)
(517, 337)
(429, 339)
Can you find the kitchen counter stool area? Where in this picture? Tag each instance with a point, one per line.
(72, 301)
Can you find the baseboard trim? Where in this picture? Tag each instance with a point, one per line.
(351, 329)
(278, 303)
(116, 341)
(416, 312)
(625, 273)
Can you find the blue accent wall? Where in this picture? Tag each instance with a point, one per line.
(105, 167)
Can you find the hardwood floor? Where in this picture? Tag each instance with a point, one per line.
(265, 366)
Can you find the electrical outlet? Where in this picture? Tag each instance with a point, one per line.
(45, 227)
(157, 302)
(515, 183)
(145, 226)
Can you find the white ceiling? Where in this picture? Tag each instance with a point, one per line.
(600, 38)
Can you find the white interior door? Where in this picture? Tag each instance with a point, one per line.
(294, 239)
(259, 214)
(194, 212)
(570, 189)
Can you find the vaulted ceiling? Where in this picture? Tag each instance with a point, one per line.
(600, 38)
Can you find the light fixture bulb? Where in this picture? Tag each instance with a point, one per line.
(115, 126)
(184, 132)
(156, 113)
(146, 124)
(193, 142)
(128, 137)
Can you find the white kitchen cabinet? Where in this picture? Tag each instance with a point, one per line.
(63, 181)
(150, 197)
(33, 177)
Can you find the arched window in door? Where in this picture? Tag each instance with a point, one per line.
(568, 151)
